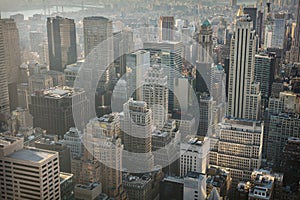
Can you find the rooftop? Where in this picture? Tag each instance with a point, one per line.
(58, 92)
(32, 155)
(206, 23)
(7, 140)
(91, 186)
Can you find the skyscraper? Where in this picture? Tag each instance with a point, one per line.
(205, 48)
(4, 100)
(166, 28)
(156, 93)
(9, 41)
(194, 155)
(28, 173)
(252, 11)
(194, 186)
(61, 42)
(264, 72)
(243, 94)
(239, 148)
(102, 140)
(97, 29)
(170, 56)
(136, 129)
(136, 65)
(296, 43)
(52, 109)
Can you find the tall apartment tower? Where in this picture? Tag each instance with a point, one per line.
(28, 173)
(97, 29)
(136, 130)
(205, 47)
(156, 93)
(243, 94)
(102, 140)
(61, 34)
(239, 148)
(166, 28)
(10, 48)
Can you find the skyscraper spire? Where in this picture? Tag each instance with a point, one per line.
(240, 12)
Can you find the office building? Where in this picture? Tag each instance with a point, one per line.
(156, 93)
(66, 186)
(119, 96)
(39, 82)
(123, 44)
(166, 148)
(264, 72)
(71, 72)
(90, 191)
(194, 155)
(283, 122)
(52, 144)
(61, 34)
(252, 12)
(218, 183)
(72, 139)
(52, 109)
(136, 129)
(205, 40)
(171, 187)
(102, 140)
(291, 163)
(166, 26)
(206, 107)
(36, 38)
(137, 63)
(194, 186)
(96, 30)
(263, 185)
(275, 31)
(29, 173)
(170, 56)
(239, 148)
(91, 172)
(183, 92)
(143, 187)
(11, 61)
(243, 94)
(295, 51)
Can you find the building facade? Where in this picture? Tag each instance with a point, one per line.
(62, 48)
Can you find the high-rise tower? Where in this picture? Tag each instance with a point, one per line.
(4, 100)
(136, 130)
(205, 41)
(156, 93)
(166, 26)
(61, 42)
(97, 29)
(243, 94)
(9, 42)
(102, 140)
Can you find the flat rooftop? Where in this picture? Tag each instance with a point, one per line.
(58, 92)
(32, 155)
(6, 141)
